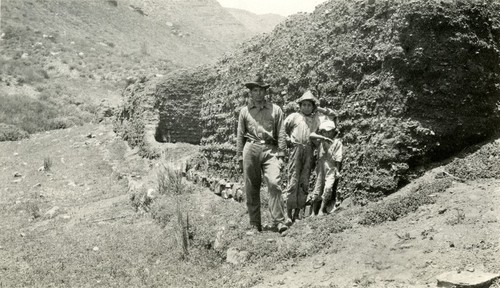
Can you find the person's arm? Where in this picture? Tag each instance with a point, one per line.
(326, 111)
(287, 126)
(336, 153)
(316, 136)
(240, 134)
(280, 132)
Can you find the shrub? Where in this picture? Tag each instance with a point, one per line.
(47, 164)
(33, 209)
(11, 133)
(170, 181)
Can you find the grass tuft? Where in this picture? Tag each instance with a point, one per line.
(47, 163)
(33, 209)
(170, 182)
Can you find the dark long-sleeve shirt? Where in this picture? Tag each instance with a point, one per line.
(261, 124)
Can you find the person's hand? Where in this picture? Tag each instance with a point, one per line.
(281, 162)
(240, 165)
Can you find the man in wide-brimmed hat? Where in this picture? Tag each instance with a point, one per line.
(261, 145)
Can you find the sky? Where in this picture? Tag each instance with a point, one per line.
(281, 7)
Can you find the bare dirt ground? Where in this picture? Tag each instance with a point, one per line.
(94, 238)
(460, 232)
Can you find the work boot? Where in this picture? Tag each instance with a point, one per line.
(296, 215)
(253, 229)
(282, 227)
(289, 217)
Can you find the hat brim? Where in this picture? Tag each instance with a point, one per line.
(313, 101)
(251, 85)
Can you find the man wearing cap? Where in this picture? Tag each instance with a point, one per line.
(298, 127)
(328, 168)
(260, 146)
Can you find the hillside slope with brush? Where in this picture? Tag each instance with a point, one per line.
(73, 58)
(256, 23)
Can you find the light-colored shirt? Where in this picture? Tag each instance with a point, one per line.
(331, 152)
(299, 126)
(261, 124)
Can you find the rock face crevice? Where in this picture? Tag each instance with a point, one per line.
(411, 82)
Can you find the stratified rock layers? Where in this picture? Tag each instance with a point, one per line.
(412, 83)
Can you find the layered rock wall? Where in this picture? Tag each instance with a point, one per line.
(412, 83)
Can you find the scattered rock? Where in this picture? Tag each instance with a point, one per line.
(467, 279)
(490, 217)
(95, 248)
(52, 212)
(219, 238)
(232, 224)
(318, 264)
(234, 256)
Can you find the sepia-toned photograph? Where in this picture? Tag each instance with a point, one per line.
(250, 143)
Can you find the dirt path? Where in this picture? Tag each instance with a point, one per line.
(460, 232)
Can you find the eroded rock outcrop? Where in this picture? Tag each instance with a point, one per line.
(412, 83)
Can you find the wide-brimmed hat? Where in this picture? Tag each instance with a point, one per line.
(327, 125)
(308, 96)
(257, 82)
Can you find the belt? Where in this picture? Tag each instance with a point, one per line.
(300, 144)
(262, 142)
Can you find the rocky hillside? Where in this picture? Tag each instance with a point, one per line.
(67, 55)
(412, 83)
(256, 23)
(112, 40)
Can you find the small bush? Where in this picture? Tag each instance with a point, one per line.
(162, 211)
(33, 209)
(47, 164)
(170, 181)
(11, 133)
(456, 218)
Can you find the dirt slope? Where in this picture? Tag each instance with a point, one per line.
(457, 233)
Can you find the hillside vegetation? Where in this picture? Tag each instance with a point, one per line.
(254, 22)
(412, 83)
(72, 59)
